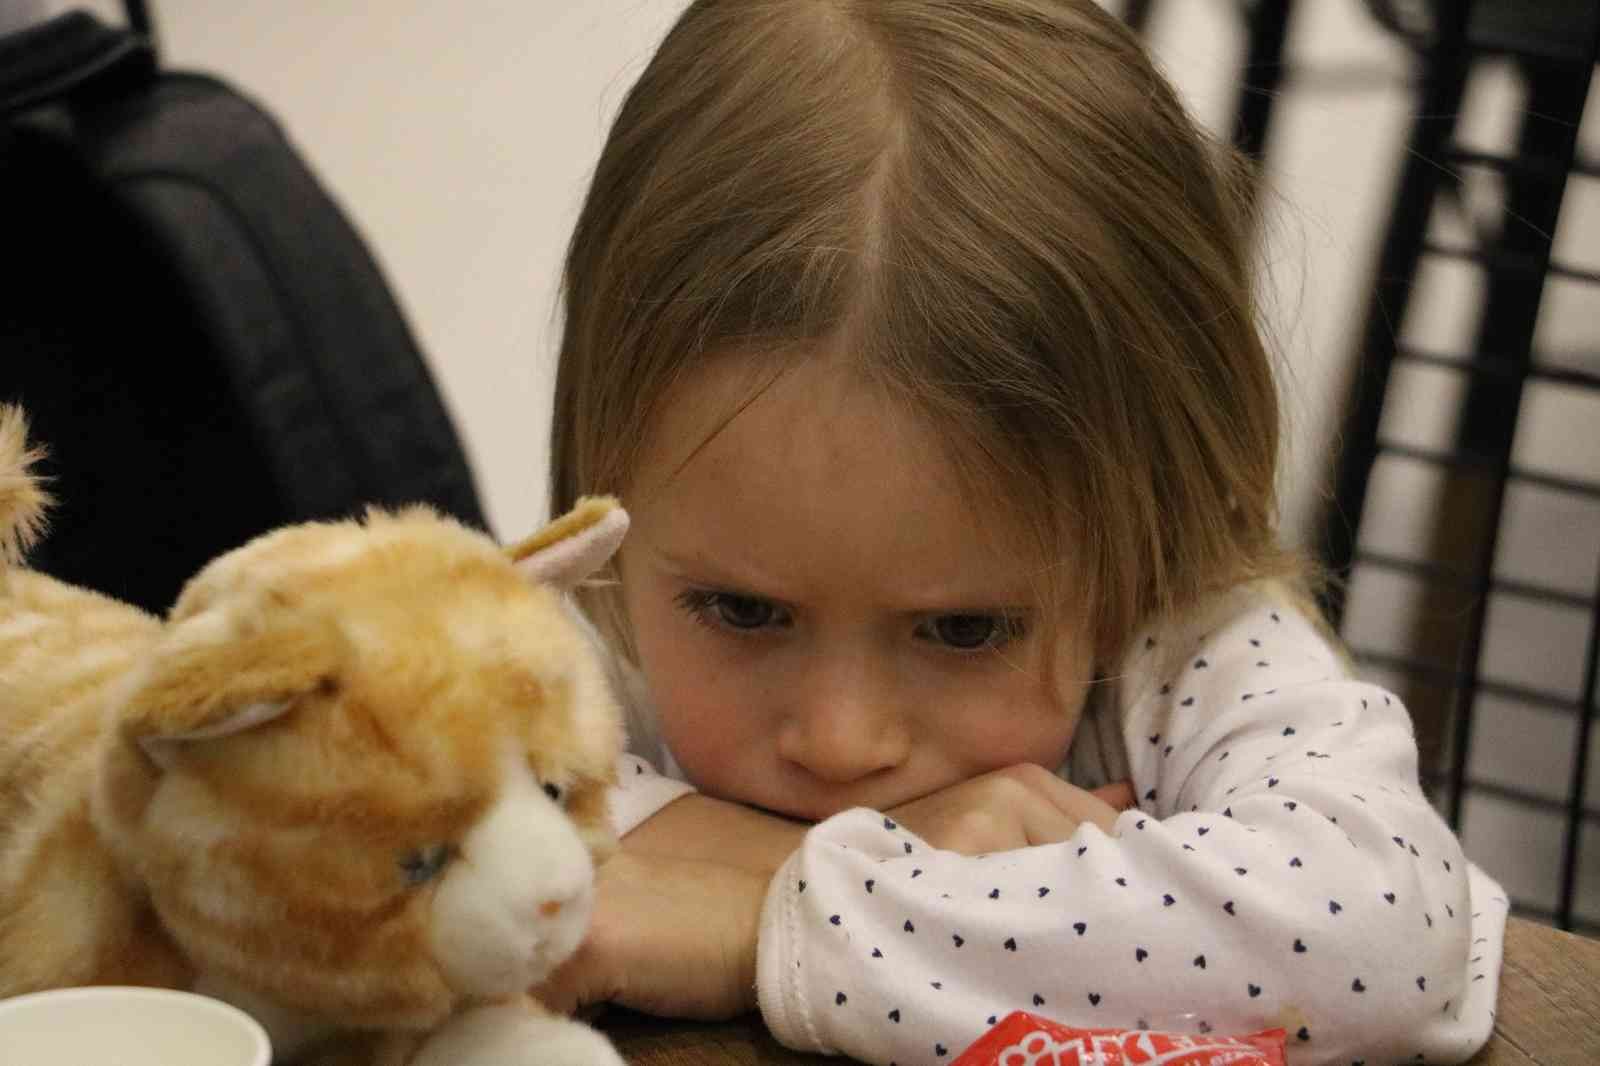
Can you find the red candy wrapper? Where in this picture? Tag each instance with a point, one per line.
(1023, 1039)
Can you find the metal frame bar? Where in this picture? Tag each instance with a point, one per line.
(1497, 367)
(1572, 842)
(1445, 575)
(1510, 315)
(1442, 85)
(1439, 674)
(1263, 75)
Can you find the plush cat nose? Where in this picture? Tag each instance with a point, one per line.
(556, 900)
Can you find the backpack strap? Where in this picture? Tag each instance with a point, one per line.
(69, 56)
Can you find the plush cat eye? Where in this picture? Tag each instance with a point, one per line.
(554, 792)
(424, 864)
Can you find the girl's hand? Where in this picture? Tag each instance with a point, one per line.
(670, 937)
(1017, 807)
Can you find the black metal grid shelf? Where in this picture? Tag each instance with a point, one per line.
(1511, 262)
(1552, 46)
(1451, 678)
(1512, 794)
(1445, 575)
(1481, 464)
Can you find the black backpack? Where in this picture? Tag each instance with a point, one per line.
(200, 338)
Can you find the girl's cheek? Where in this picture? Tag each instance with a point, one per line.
(1010, 717)
(705, 724)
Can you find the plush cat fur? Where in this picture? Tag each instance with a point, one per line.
(354, 783)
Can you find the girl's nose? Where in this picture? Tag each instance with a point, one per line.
(841, 727)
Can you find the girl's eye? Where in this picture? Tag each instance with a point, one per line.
(731, 611)
(972, 631)
(743, 612)
(554, 792)
(424, 864)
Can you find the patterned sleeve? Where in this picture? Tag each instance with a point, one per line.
(1283, 870)
(640, 792)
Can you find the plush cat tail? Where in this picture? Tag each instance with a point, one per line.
(22, 501)
(573, 546)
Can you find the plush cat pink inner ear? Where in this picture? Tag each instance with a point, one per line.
(565, 562)
(163, 750)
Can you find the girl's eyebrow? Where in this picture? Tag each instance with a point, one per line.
(709, 572)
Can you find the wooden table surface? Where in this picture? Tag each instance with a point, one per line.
(1548, 1015)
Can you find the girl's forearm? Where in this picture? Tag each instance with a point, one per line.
(702, 828)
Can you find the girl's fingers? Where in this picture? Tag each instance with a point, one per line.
(1062, 806)
(1100, 806)
(566, 991)
(1118, 795)
(1047, 825)
(1019, 806)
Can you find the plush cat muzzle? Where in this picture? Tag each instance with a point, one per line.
(516, 902)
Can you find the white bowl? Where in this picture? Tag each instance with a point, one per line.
(114, 1026)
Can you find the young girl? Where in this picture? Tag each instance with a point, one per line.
(918, 336)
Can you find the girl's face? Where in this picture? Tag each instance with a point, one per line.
(822, 621)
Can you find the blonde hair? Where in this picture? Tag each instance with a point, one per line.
(1003, 211)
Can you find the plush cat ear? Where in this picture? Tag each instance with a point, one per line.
(221, 673)
(573, 546)
(163, 750)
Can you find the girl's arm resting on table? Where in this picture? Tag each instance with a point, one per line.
(672, 937)
(678, 909)
(664, 912)
(1286, 871)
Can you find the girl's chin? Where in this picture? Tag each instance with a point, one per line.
(805, 812)
(812, 801)
(818, 809)
(796, 809)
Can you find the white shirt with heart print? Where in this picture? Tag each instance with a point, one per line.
(1283, 869)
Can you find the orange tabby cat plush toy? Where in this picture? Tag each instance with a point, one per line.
(354, 783)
